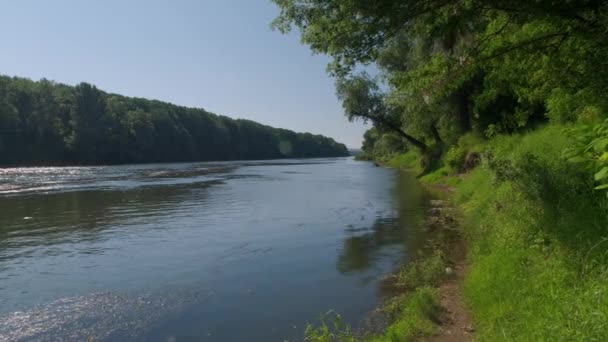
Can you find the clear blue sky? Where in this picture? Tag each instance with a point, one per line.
(220, 55)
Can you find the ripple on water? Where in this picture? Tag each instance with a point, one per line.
(98, 316)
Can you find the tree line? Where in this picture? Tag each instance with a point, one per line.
(449, 68)
(44, 122)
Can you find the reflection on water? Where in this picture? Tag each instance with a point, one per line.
(189, 251)
(366, 245)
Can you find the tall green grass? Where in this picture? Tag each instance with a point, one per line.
(409, 160)
(539, 264)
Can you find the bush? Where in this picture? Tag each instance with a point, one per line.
(472, 142)
(590, 151)
(455, 157)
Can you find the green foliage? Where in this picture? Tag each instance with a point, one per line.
(381, 146)
(504, 69)
(363, 100)
(412, 314)
(407, 161)
(336, 331)
(427, 271)
(564, 107)
(472, 142)
(388, 144)
(48, 123)
(449, 67)
(537, 243)
(454, 158)
(439, 176)
(415, 316)
(590, 151)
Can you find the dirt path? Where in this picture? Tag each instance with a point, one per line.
(456, 323)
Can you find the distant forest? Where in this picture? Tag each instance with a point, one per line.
(44, 122)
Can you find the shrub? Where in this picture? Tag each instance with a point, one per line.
(455, 157)
(590, 151)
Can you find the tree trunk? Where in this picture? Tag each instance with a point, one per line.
(464, 109)
(419, 144)
(435, 133)
(397, 129)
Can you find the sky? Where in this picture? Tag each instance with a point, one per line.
(220, 55)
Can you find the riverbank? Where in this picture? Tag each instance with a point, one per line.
(536, 231)
(427, 301)
(537, 251)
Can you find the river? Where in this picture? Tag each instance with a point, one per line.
(225, 251)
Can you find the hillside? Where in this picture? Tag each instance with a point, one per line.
(43, 122)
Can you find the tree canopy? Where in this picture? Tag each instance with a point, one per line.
(50, 123)
(455, 66)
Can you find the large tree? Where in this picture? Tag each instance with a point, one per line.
(452, 66)
(362, 100)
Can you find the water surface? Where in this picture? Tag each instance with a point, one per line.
(231, 251)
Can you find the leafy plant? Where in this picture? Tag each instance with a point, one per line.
(591, 151)
(336, 331)
(455, 157)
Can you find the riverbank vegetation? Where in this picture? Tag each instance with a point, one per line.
(536, 229)
(414, 308)
(505, 102)
(50, 123)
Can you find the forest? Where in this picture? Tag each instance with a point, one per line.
(448, 68)
(48, 123)
(504, 105)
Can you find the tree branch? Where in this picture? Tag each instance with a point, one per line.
(394, 127)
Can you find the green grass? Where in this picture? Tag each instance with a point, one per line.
(538, 264)
(428, 271)
(442, 176)
(413, 314)
(538, 245)
(409, 161)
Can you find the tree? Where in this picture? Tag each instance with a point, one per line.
(362, 100)
(45, 122)
(454, 66)
(89, 123)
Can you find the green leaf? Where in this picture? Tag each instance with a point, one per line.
(577, 159)
(600, 145)
(600, 187)
(601, 174)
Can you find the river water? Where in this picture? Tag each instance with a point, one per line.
(231, 251)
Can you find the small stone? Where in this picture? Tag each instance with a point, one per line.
(449, 271)
(469, 329)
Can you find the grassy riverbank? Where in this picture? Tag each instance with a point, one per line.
(416, 309)
(536, 232)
